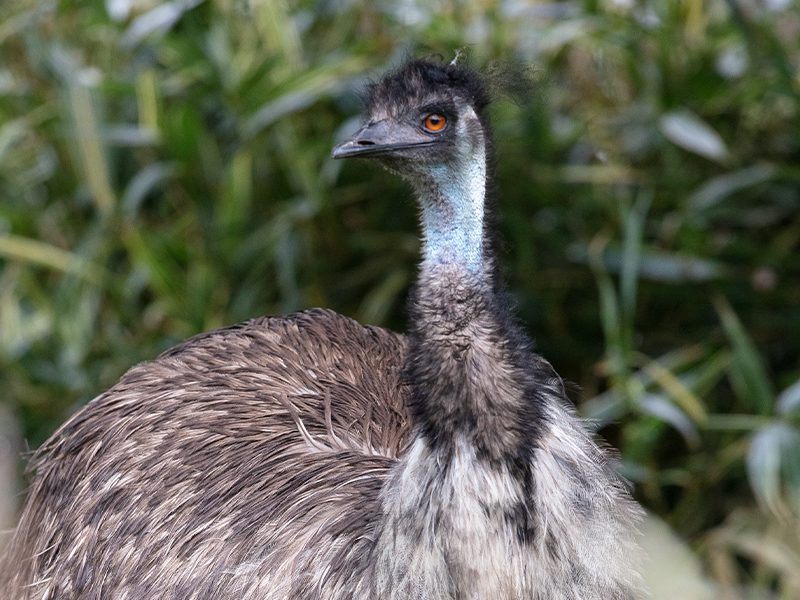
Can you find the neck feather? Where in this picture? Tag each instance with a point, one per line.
(468, 363)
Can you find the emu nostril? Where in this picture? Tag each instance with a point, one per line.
(365, 143)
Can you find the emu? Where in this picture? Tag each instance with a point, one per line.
(309, 457)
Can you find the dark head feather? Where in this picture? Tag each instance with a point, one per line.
(418, 81)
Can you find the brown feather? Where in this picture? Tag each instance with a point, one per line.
(215, 453)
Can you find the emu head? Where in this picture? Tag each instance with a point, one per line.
(425, 119)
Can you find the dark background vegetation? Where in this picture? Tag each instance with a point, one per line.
(165, 170)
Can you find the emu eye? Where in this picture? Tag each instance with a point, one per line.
(434, 123)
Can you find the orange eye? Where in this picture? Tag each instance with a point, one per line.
(434, 123)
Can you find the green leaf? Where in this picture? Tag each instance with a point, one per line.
(379, 301)
(657, 265)
(660, 407)
(678, 392)
(774, 455)
(157, 21)
(300, 92)
(90, 145)
(634, 220)
(789, 399)
(690, 132)
(747, 373)
(18, 248)
(717, 189)
(144, 183)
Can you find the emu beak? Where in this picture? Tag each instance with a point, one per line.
(381, 138)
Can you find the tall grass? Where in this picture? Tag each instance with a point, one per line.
(164, 169)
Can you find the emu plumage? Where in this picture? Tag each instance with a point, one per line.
(309, 457)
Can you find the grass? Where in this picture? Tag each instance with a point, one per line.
(164, 171)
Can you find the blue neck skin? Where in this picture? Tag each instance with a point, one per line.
(453, 213)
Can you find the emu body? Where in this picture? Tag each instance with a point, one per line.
(309, 457)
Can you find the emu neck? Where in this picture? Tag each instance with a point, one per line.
(467, 362)
(453, 215)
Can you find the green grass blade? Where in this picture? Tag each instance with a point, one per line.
(13, 247)
(91, 150)
(747, 373)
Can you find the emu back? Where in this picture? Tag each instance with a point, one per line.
(199, 474)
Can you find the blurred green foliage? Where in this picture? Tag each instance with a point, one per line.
(164, 170)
